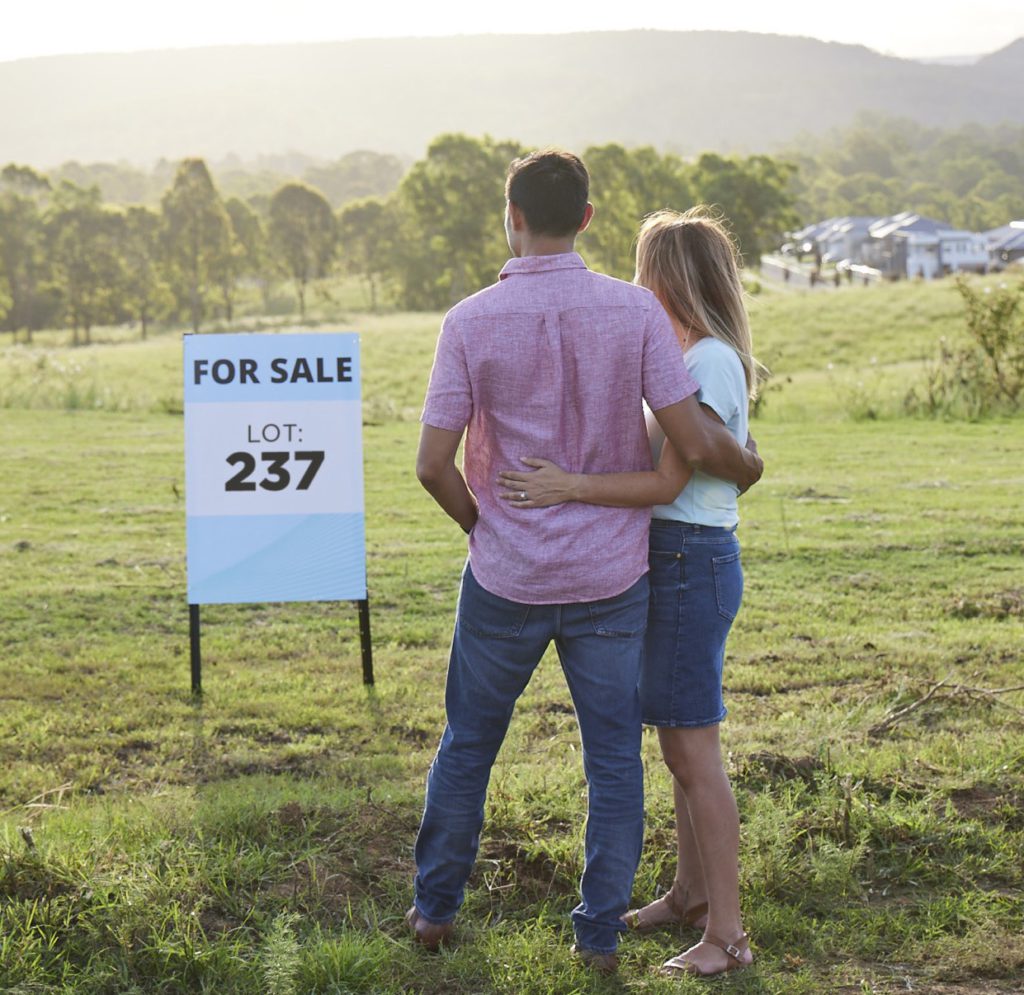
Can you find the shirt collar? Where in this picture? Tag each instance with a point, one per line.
(542, 264)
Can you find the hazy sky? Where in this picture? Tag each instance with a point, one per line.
(932, 28)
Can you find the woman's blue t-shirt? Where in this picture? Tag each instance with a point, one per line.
(723, 388)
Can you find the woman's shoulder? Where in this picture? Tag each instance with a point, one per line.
(713, 353)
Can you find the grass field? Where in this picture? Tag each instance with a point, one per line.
(261, 841)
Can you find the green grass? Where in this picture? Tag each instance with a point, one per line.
(261, 841)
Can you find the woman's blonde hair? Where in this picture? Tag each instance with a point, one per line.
(691, 264)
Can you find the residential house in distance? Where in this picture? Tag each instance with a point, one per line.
(844, 241)
(835, 240)
(1005, 245)
(909, 245)
(808, 239)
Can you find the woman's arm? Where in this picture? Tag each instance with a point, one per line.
(549, 484)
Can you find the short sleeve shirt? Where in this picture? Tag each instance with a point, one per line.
(723, 388)
(555, 361)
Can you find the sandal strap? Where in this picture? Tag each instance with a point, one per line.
(686, 916)
(673, 902)
(734, 950)
(690, 916)
(635, 919)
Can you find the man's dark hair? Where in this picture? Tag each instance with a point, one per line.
(551, 188)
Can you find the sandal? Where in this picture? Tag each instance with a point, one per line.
(644, 921)
(734, 951)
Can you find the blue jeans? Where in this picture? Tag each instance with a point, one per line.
(495, 649)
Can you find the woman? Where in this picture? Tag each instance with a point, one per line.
(689, 262)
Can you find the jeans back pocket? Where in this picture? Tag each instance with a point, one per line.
(489, 615)
(728, 583)
(624, 616)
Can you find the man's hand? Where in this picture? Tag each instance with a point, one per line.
(751, 446)
(705, 444)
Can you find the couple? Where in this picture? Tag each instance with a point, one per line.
(554, 361)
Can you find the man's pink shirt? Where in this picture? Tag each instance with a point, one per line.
(553, 361)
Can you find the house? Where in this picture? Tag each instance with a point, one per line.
(808, 239)
(844, 241)
(909, 245)
(963, 252)
(1005, 245)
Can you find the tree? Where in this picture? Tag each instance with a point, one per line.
(5, 295)
(23, 259)
(970, 176)
(85, 248)
(302, 235)
(366, 232)
(146, 294)
(452, 204)
(864, 194)
(356, 176)
(25, 180)
(625, 186)
(197, 235)
(251, 251)
(753, 193)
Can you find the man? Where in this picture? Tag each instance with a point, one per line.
(551, 359)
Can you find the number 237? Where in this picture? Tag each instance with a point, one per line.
(277, 478)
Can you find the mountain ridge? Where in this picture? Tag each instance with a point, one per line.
(679, 91)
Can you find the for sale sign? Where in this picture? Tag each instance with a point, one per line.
(274, 468)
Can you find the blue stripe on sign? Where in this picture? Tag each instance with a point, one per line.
(254, 558)
(250, 366)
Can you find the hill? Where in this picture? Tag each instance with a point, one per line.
(680, 91)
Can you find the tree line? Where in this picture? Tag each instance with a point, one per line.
(69, 258)
(972, 177)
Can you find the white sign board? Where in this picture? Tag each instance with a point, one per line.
(274, 468)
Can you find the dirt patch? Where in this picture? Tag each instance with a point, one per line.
(230, 767)
(414, 735)
(556, 708)
(989, 804)
(132, 748)
(812, 495)
(321, 881)
(273, 737)
(1001, 604)
(216, 923)
(291, 816)
(924, 986)
(352, 851)
(505, 866)
(778, 767)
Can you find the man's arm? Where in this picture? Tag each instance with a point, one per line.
(707, 445)
(437, 472)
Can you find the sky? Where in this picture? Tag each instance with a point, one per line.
(911, 30)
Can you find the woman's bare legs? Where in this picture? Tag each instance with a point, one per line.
(689, 879)
(708, 833)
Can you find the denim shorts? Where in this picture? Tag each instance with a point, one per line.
(696, 588)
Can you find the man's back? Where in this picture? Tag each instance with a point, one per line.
(553, 361)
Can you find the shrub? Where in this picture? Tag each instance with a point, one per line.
(985, 376)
